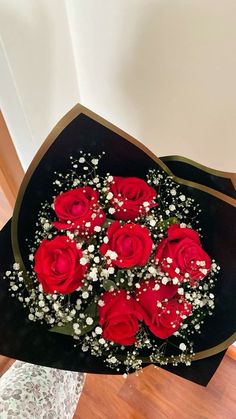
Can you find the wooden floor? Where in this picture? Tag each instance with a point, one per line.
(157, 394)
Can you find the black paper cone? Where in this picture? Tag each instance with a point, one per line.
(82, 130)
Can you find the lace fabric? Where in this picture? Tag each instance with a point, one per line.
(30, 391)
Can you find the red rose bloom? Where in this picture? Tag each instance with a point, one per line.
(119, 317)
(181, 255)
(57, 265)
(130, 243)
(79, 209)
(131, 198)
(163, 309)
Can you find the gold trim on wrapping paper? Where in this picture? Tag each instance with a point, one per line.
(215, 349)
(226, 175)
(62, 124)
(219, 173)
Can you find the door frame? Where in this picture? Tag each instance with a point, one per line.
(11, 170)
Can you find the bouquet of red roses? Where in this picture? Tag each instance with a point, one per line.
(117, 263)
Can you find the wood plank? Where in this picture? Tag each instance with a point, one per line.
(5, 209)
(5, 363)
(11, 171)
(155, 393)
(232, 351)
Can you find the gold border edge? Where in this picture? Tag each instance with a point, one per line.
(215, 349)
(54, 133)
(210, 170)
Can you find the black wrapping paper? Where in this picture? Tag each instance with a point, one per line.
(21, 339)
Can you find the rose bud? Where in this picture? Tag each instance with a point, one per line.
(163, 309)
(181, 255)
(79, 209)
(119, 317)
(58, 267)
(131, 197)
(130, 244)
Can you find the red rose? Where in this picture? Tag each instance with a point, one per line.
(164, 310)
(181, 255)
(57, 265)
(131, 198)
(127, 245)
(119, 317)
(79, 209)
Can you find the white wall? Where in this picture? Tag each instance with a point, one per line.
(163, 70)
(38, 82)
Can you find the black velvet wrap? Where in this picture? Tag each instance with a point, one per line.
(30, 342)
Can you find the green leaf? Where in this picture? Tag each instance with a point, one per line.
(108, 284)
(92, 310)
(108, 222)
(122, 274)
(119, 275)
(163, 225)
(85, 328)
(66, 329)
